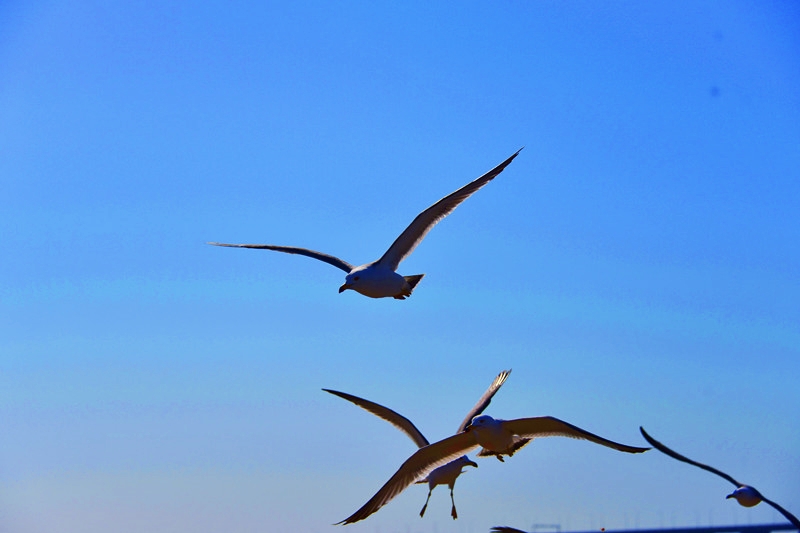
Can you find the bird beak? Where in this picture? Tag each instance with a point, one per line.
(729, 496)
(343, 288)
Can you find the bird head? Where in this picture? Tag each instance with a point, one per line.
(746, 495)
(465, 461)
(479, 421)
(350, 281)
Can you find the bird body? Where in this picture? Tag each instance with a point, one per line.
(746, 495)
(379, 279)
(376, 280)
(447, 474)
(495, 438)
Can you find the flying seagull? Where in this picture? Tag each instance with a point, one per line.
(496, 437)
(746, 495)
(379, 279)
(444, 475)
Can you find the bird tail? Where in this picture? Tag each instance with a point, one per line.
(413, 280)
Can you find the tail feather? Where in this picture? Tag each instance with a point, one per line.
(413, 280)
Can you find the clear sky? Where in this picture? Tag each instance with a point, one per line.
(637, 264)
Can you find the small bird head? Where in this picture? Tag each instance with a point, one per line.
(746, 495)
(479, 421)
(350, 281)
(465, 461)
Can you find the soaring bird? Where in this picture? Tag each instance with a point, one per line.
(379, 279)
(496, 437)
(746, 495)
(444, 475)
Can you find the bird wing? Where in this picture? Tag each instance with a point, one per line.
(485, 400)
(675, 455)
(422, 224)
(505, 529)
(331, 260)
(418, 466)
(789, 516)
(396, 419)
(548, 426)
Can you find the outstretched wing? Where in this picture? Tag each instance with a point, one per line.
(418, 466)
(396, 419)
(548, 426)
(331, 260)
(420, 226)
(675, 455)
(505, 529)
(789, 516)
(485, 400)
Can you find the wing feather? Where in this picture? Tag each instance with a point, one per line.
(675, 455)
(416, 467)
(331, 260)
(485, 400)
(396, 419)
(422, 224)
(548, 426)
(789, 516)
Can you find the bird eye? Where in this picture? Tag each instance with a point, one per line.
(355, 278)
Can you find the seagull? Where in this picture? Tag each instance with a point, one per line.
(746, 495)
(444, 475)
(379, 279)
(495, 436)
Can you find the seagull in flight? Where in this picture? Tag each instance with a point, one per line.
(746, 495)
(379, 279)
(496, 437)
(443, 475)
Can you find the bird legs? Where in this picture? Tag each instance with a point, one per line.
(453, 512)
(422, 512)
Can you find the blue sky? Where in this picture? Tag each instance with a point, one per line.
(635, 265)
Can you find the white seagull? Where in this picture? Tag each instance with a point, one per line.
(746, 495)
(444, 475)
(379, 279)
(496, 437)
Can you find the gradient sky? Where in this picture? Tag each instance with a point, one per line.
(637, 264)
